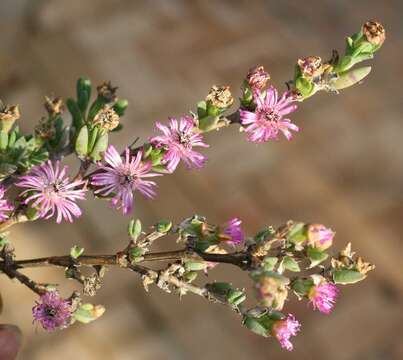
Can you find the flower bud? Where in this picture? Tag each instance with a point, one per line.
(257, 77)
(218, 99)
(106, 118)
(54, 106)
(319, 236)
(8, 115)
(374, 32)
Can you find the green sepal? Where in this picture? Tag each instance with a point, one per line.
(93, 136)
(3, 140)
(201, 109)
(81, 145)
(100, 147)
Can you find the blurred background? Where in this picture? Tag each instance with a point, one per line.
(345, 168)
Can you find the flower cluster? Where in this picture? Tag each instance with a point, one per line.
(293, 259)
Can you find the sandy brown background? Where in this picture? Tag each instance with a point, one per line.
(345, 169)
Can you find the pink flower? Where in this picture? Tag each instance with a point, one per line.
(319, 236)
(122, 176)
(323, 297)
(284, 329)
(233, 233)
(50, 189)
(5, 206)
(178, 139)
(267, 120)
(52, 311)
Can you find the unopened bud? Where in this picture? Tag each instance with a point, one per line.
(319, 236)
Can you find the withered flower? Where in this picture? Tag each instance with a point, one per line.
(107, 92)
(220, 97)
(374, 32)
(54, 106)
(311, 66)
(107, 118)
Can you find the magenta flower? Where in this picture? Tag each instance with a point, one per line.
(320, 237)
(284, 329)
(233, 233)
(267, 120)
(122, 176)
(5, 206)
(323, 297)
(178, 140)
(50, 190)
(52, 311)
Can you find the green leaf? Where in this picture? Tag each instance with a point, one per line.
(136, 253)
(350, 78)
(316, 256)
(302, 286)
(236, 297)
(75, 112)
(297, 233)
(163, 226)
(100, 147)
(269, 263)
(195, 266)
(134, 229)
(76, 251)
(88, 312)
(81, 145)
(83, 94)
(255, 326)
(289, 263)
(345, 276)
